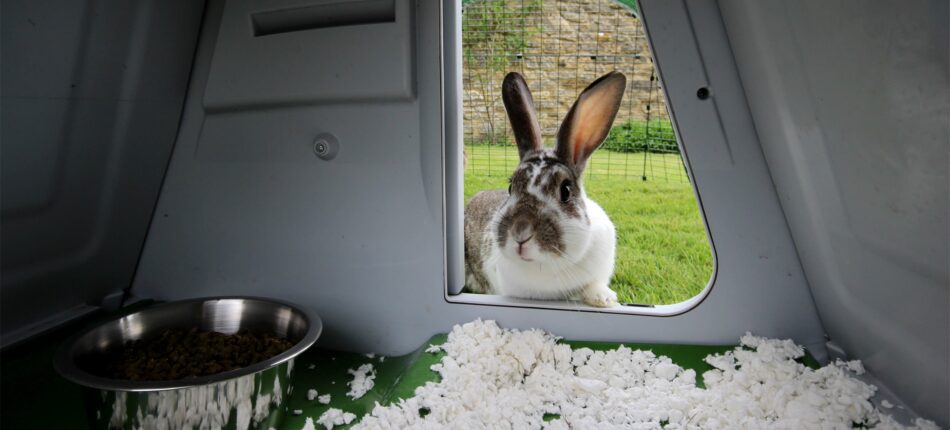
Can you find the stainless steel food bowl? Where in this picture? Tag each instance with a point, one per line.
(252, 397)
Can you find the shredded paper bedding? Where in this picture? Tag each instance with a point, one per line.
(497, 378)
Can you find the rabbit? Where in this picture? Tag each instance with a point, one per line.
(543, 238)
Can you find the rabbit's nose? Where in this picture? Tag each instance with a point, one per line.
(522, 251)
(521, 231)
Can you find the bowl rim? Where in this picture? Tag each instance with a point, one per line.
(65, 365)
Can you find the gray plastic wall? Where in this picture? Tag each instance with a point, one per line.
(92, 94)
(850, 101)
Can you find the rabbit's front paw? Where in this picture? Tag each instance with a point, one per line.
(599, 295)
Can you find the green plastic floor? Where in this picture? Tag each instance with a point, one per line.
(35, 397)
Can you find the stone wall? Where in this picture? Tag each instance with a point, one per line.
(569, 43)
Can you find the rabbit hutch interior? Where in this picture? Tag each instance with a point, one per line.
(301, 214)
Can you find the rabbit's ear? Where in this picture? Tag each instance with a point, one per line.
(587, 123)
(520, 107)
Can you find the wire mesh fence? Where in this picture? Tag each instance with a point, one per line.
(560, 46)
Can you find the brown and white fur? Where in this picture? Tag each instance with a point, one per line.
(543, 238)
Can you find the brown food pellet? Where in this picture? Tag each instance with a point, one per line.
(184, 354)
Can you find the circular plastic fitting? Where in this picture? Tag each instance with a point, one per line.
(702, 93)
(326, 146)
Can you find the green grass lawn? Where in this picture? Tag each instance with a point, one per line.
(663, 255)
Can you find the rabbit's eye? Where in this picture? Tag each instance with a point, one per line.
(565, 191)
(509, 188)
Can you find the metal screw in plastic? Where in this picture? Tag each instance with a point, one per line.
(326, 146)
